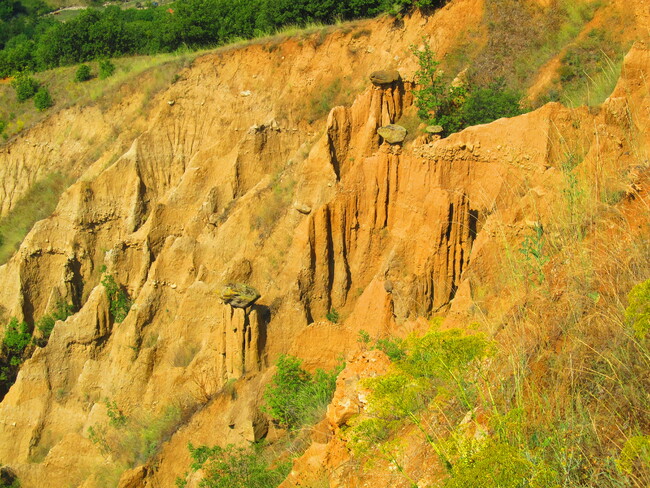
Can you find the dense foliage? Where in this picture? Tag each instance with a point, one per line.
(233, 467)
(295, 397)
(83, 73)
(458, 105)
(19, 338)
(43, 99)
(119, 301)
(25, 87)
(106, 69)
(16, 339)
(45, 325)
(31, 41)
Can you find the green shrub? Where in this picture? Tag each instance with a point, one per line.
(233, 467)
(83, 73)
(46, 323)
(16, 339)
(25, 86)
(118, 298)
(393, 347)
(11, 481)
(43, 99)
(484, 105)
(295, 397)
(430, 94)
(332, 316)
(106, 69)
(455, 107)
(636, 450)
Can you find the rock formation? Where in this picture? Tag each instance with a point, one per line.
(319, 216)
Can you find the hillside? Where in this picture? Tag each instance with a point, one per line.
(481, 281)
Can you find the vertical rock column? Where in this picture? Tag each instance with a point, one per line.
(239, 343)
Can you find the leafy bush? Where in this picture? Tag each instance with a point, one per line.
(16, 339)
(106, 69)
(233, 467)
(484, 105)
(295, 397)
(25, 86)
(332, 316)
(46, 323)
(457, 106)
(118, 298)
(43, 99)
(493, 465)
(83, 73)
(9, 480)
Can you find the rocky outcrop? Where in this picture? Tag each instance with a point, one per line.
(201, 196)
(392, 133)
(239, 295)
(384, 77)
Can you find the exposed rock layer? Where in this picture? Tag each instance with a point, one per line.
(200, 198)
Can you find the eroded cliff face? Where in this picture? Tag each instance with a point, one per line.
(227, 179)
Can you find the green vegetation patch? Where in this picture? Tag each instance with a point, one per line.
(118, 298)
(637, 313)
(25, 86)
(17, 338)
(35, 42)
(43, 99)
(83, 73)
(235, 467)
(590, 68)
(455, 106)
(513, 431)
(296, 397)
(131, 440)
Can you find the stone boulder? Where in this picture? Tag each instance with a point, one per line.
(239, 295)
(384, 77)
(393, 134)
(434, 129)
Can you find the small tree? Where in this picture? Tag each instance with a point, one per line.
(430, 95)
(43, 99)
(457, 106)
(25, 86)
(106, 69)
(82, 74)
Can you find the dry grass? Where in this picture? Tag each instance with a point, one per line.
(36, 204)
